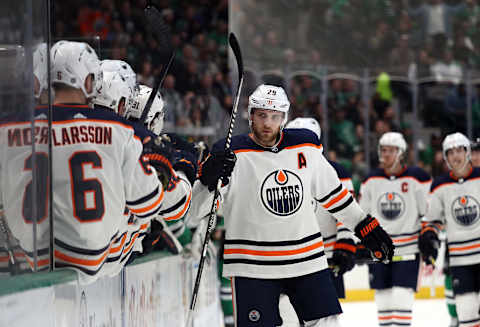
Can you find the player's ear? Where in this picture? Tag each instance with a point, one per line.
(89, 84)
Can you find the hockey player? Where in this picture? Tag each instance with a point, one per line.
(97, 167)
(338, 240)
(454, 205)
(124, 69)
(476, 153)
(271, 179)
(396, 194)
(179, 191)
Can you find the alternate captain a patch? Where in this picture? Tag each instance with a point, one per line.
(282, 192)
(465, 210)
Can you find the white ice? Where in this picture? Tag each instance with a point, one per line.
(426, 313)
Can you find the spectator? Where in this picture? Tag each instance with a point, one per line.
(447, 68)
(146, 77)
(173, 101)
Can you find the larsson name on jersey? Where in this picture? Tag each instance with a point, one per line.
(465, 210)
(282, 192)
(65, 136)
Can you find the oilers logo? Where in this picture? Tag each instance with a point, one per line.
(391, 205)
(465, 210)
(282, 192)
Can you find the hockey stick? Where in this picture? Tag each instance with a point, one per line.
(212, 217)
(162, 31)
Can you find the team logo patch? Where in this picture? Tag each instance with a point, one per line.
(254, 315)
(391, 205)
(465, 210)
(282, 192)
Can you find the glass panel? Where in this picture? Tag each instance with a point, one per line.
(24, 158)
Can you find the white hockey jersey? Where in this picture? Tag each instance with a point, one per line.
(271, 227)
(97, 170)
(398, 202)
(455, 204)
(331, 228)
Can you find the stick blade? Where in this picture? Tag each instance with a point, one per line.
(157, 26)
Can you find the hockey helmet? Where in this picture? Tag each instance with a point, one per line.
(72, 63)
(154, 120)
(112, 90)
(455, 140)
(308, 123)
(269, 97)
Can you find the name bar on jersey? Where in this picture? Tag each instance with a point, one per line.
(78, 134)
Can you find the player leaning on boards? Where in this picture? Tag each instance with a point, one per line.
(397, 196)
(94, 152)
(454, 205)
(339, 241)
(179, 191)
(273, 243)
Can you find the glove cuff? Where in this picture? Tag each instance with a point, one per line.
(345, 245)
(366, 226)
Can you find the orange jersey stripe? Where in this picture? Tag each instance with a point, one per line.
(395, 317)
(181, 213)
(274, 253)
(150, 207)
(336, 199)
(463, 248)
(286, 148)
(119, 247)
(401, 240)
(83, 262)
(329, 244)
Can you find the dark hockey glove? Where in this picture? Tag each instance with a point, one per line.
(217, 165)
(343, 258)
(374, 237)
(428, 244)
(185, 157)
(160, 238)
(158, 153)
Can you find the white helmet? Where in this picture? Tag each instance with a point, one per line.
(72, 62)
(40, 67)
(308, 123)
(112, 90)
(269, 97)
(121, 67)
(154, 120)
(456, 140)
(393, 139)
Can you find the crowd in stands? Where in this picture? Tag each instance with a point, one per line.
(437, 40)
(197, 89)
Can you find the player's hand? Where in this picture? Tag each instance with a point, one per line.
(158, 153)
(217, 165)
(160, 237)
(428, 244)
(374, 237)
(343, 258)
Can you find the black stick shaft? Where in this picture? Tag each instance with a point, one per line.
(213, 210)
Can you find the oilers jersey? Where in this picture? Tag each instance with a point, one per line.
(455, 204)
(97, 170)
(269, 206)
(398, 202)
(331, 228)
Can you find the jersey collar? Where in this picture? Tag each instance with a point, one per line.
(273, 148)
(461, 179)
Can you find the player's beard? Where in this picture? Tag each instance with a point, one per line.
(264, 139)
